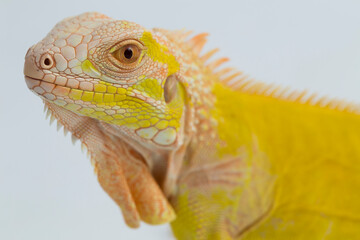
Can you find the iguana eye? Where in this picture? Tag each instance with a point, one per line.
(128, 53)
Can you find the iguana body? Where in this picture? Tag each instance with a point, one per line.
(175, 140)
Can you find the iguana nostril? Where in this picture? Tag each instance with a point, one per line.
(46, 61)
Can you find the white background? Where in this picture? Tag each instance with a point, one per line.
(47, 186)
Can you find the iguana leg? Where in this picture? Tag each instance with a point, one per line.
(120, 170)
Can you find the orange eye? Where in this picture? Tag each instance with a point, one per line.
(127, 54)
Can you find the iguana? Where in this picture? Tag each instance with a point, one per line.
(176, 139)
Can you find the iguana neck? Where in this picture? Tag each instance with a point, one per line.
(225, 165)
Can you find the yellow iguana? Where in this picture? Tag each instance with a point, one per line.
(173, 139)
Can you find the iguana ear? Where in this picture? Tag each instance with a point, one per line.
(121, 172)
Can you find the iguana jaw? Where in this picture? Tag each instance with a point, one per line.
(157, 159)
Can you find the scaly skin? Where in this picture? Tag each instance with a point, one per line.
(174, 140)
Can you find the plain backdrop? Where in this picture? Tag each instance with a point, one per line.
(47, 186)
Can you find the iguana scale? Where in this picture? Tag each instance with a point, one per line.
(176, 139)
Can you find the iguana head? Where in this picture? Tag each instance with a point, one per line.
(114, 71)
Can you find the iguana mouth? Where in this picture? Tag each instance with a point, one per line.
(32, 83)
(30, 80)
(40, 87)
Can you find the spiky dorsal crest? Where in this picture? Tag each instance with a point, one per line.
(239, 81)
